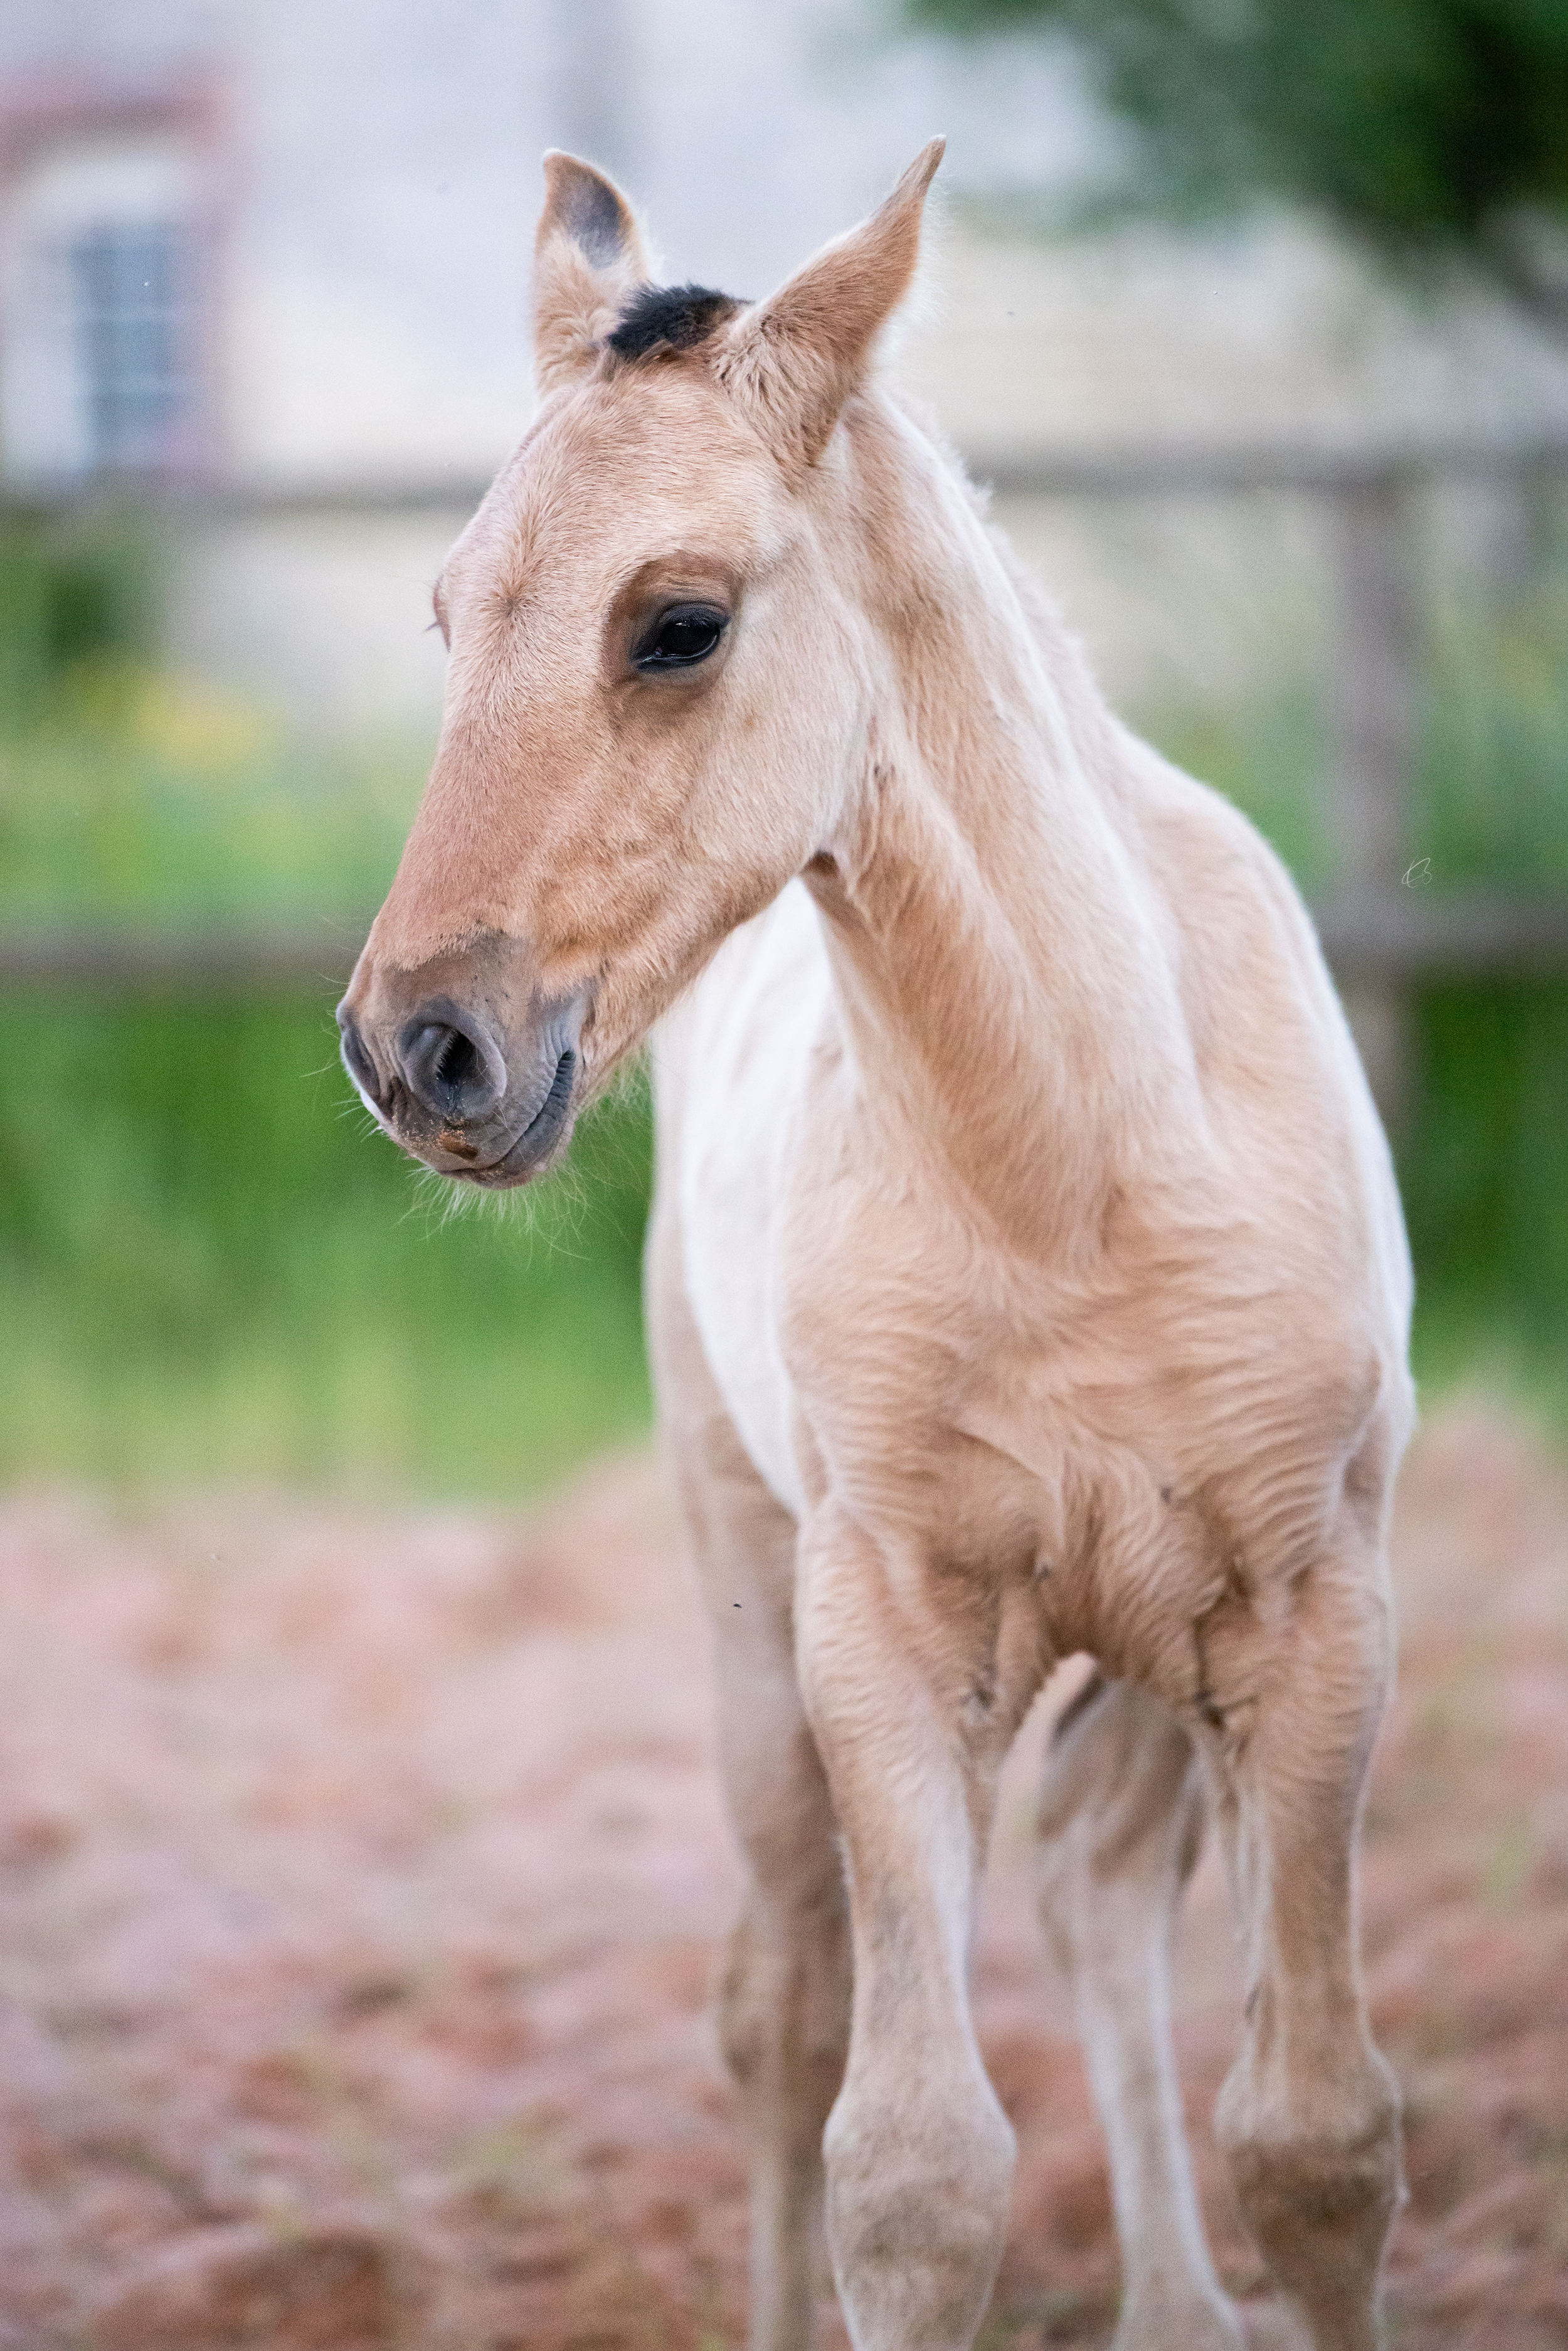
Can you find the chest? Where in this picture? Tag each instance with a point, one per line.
(1141, 1400)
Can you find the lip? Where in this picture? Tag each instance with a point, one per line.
(548, 1127)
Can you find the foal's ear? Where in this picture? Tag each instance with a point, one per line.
(793, 361)
(588, 258)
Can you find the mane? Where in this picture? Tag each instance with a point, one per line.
(669, 318)
(884, 424)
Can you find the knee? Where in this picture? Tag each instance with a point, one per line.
(918, 2210)
(1320, 2179)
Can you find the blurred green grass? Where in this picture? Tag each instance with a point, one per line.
(210, 1266)
(1483, 1158)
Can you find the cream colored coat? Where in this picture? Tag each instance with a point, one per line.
(1027, 1275)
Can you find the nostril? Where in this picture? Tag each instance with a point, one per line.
(449, 1071)
(356, 1059)
(458, 1062)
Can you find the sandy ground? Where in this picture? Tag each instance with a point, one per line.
(362, 1880)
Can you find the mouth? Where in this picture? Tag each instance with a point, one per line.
(538, 1140)
(466, 1067)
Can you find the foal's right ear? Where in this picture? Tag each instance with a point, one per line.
(588, 258)
(793, 361)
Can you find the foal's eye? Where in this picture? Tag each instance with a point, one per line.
(685, 634)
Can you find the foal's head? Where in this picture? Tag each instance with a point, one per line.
(658, 691)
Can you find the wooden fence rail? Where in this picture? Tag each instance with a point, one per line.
(1379, 935)
(1477, 935)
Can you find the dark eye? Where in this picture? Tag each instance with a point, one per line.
(685, 634)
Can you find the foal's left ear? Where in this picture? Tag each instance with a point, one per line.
(793, 361)
(588, 258)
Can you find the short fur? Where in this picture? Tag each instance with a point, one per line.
(1026, 1277)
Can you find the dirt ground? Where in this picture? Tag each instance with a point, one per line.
(362, 1881)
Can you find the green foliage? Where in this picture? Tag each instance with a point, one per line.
(72, 593)
(1429, 128)
(143, 801)
(1483, 1161)
(210, 1264)
(1492, 796)
(1483, 1170)
(131, 798)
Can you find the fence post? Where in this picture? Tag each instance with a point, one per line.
(1373, 712)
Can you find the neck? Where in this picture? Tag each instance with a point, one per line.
(995, 947)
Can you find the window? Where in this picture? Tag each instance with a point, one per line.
(133, 292)
(106, 280)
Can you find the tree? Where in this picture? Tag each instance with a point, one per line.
(1436, 131)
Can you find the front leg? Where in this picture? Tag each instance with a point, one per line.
(784, 2003)
(919, 2154)
(1309, 2118)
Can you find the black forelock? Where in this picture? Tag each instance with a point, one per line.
(675, 318)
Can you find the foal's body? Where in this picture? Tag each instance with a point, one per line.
(1027, 1278)
(1116, 1366)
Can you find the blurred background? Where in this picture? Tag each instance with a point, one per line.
(1260, 329)
(363, 1869)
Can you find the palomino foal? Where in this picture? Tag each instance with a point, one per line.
(1027, 1275)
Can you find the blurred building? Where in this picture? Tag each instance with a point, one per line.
(288, 245)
